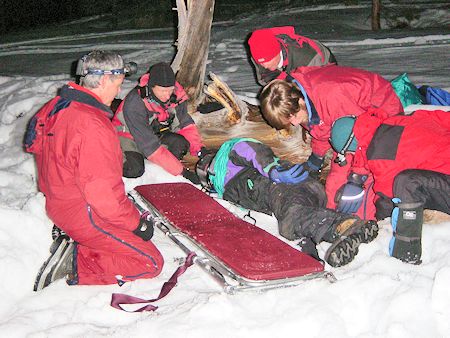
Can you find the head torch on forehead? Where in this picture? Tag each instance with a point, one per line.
(129, 68)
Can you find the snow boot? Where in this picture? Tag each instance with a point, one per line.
(369, 231)
(343, 250)
(347, 237)
(58, 265)
(407, 221)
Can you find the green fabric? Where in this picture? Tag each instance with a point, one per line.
(271, 165)
(340, 133)
(220, 164)
(406, 91)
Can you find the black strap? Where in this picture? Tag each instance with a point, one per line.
(143, 91)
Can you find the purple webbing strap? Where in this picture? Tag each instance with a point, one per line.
(118, 299)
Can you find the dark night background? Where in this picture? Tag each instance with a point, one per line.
(17, 16)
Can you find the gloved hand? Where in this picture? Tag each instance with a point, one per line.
(314, 165)
(292, 174)
(350, 196)
(145, 227)
(191, 176)
(204, 151)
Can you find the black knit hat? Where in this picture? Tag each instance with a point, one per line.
(161, 75)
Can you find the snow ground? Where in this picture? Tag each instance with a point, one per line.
(375, 296)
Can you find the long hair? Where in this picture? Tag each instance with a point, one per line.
(101, 60)
(279, 101)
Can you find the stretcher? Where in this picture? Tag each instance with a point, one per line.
(236, 254)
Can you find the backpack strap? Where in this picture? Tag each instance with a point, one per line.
(143, 91)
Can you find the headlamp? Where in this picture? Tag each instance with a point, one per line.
(338, 141)
(128, 69)
(340, 158)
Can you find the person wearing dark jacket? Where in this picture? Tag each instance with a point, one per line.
(246, 172)
(79, 164)
(154, 123)
(409, 157)
(278, 50)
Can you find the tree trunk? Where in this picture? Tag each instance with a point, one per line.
(237, 119)
(376, 9)
(194, 31)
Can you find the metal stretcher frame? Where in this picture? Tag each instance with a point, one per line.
(230, 281)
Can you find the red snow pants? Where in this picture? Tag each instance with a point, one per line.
(107, 254)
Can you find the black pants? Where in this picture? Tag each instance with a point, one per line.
(430, 188)
(299, 208)
(133, 160)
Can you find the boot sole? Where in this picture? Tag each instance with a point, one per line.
(369, 231)
(343, 251)
(43, 277)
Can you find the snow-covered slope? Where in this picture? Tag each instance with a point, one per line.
(376, 296)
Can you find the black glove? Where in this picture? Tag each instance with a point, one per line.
(145, 227)
(314, 165)
(191, 176)
(209, 107)
(205, 151)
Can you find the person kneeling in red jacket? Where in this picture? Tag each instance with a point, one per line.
(79, 162)
(408, 156)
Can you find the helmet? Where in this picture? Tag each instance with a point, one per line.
(342, 137)
(204, 168)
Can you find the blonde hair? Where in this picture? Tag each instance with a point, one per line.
(279, 101)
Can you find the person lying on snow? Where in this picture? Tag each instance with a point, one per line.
(79, 164)
(314, 97)
(153, 123)
(278, 50)
(408, 156)
(246, 172)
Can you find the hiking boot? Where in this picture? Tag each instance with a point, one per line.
(343, 250)
(346, 238)
(369, 231)
(58, 265)
(56, 232)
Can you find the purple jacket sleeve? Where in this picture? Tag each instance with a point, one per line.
(254, 154)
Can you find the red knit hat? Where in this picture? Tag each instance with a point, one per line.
(263, 45)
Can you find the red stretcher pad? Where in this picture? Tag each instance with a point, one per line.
(246, 249)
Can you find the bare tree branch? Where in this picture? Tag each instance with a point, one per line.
(193, 46)
(182, 29)
(376, 9)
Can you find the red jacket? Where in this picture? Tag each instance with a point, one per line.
(297, 51)
(337, 91)
(79, 161)
(389, 145)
